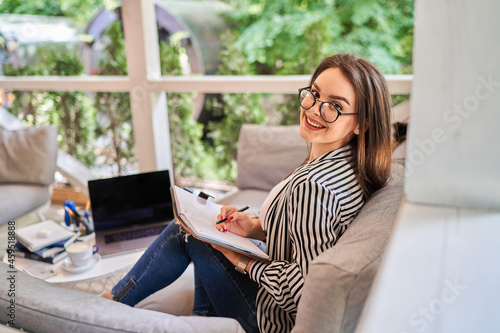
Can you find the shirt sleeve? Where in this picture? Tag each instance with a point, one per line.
(312, 224)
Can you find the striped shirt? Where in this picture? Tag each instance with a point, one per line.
(313, 208)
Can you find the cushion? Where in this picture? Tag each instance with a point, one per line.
(20, 199)
(340, 278)
(42, 307)
(267, 154)
(399, 153)
(29, 155)
(175, 299)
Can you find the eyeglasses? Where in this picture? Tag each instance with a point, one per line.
(328, 111)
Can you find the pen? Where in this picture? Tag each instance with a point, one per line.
(71, 216)
(70, 207)
(239, 210)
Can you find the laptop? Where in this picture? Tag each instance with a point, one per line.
(129, 212)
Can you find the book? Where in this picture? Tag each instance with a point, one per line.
(199, 215)
(46, 251)
(41, 235)
(22, 252)
(50, 250)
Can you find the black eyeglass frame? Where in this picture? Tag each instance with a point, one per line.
(339, 113)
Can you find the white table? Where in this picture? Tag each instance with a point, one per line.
(107, 270)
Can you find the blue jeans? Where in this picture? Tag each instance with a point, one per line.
(219, 289)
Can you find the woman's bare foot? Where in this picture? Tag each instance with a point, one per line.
(107, 294)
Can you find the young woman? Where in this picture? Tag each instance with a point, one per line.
(345, 116)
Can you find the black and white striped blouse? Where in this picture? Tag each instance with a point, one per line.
(303, 216)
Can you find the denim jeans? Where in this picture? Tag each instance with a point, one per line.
(219, 289)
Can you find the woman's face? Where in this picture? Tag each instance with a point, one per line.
(330, 86)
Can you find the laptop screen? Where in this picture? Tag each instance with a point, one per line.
(127, 201)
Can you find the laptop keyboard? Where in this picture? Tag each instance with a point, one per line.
(133, 234)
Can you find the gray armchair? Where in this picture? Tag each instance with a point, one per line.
(27, 166)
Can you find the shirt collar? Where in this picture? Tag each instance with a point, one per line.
(343, 152)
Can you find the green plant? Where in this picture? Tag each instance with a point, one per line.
(189, 152)
(232, 111)
(72, 110)
(291, 37)
(190, 156)
(115, 122)
(81, 11)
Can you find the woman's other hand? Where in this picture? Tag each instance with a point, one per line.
(239, 223)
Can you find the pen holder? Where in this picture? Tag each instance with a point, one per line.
(80, 220)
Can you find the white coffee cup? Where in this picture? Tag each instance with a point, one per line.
(80, 253)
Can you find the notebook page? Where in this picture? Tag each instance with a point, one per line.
(202, 216)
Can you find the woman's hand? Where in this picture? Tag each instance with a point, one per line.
(239, 223)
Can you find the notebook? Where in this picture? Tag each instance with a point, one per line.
(40, 235)
(199, 217)
(129, 212)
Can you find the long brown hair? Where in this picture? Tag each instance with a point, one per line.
(372, 147)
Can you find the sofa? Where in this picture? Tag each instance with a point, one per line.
(334, 292)
(27, 167)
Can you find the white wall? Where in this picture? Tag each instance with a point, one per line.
(440, 272)
(453, 155)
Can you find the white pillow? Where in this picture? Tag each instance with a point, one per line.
(29, 155)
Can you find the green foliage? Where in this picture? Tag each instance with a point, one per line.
(114, 61)
(283, 37)
(33, 7)
(235, 110)
(232, 112)
(71, 109)
(80, 10)
(76, 113)
(190, 157)
(291, 37)
(381, 31)
(189, 152)
(115, 119)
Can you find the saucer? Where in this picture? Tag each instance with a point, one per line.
(69, 267)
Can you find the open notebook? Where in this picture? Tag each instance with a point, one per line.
(199, 216)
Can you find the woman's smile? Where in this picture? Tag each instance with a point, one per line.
(313, 125)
